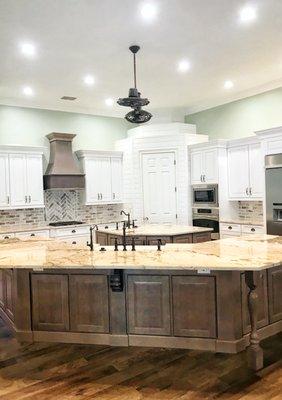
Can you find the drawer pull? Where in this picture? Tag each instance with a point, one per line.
(73, 231)
(7, 237)
(32, 234)
(230, 227)
(253, 230)
(73, 242)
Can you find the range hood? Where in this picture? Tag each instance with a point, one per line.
(63, 171)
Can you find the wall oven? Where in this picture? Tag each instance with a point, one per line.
(207, 218)
(205, 196)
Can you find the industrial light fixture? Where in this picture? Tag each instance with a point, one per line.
(134, 99)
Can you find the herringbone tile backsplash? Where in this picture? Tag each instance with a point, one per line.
(63, 205)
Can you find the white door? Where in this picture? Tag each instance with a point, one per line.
(4, 181)
(210, 166)
(116, 173)
(256, 171)
(34, 180)
(238, 172)
(159, 187)
(18, 193)
(98, 180)
(196, 167)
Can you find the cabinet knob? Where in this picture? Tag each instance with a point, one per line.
(73, 231)
(74, 242)
(6, 237)
(32, 234)
(230, 227)
(253, 230)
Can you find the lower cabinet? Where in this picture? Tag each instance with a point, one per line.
(89, 303)
(275, 294)
(201, 237)
(153, 240)
(50, 302)
(6, 292)
(194, 306)
(182, 239)
(262, 304)
(148, 305)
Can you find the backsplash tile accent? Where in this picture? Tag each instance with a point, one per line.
(250, 211)
(63, 205)
(30, 217)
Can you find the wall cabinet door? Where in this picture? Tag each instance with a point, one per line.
(262, 304)
(4, 181)
(17, 165)
(194, 307)
(34, 180)
(89, 303)
(210, 166)
(238, 172)
(148, 304)
(50, 302)
(116, 174)
(256, 171)
(196, 167)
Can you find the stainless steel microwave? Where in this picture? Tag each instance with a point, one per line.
(205, 195)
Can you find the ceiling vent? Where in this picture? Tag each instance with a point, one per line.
(70, 98)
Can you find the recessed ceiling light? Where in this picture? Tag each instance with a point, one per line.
(109, 102)
(148, 11)
(228, 84)
(28, 49)
(183, 66)
(28, 91)
(248, 14)
(89, 80)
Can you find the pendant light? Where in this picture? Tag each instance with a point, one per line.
(134, 99)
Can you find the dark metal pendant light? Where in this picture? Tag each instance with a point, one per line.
(134, 99)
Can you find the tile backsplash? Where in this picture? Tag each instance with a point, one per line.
(63, 205)
(250, 211)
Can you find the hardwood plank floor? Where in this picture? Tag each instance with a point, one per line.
(62, 371)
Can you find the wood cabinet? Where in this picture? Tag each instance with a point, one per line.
(148, 305)
(103, 176)
(201, 237)
(182, 239)
(262, 304)
(153, 240)
(245, 172)
(21, 184)
(50, 302)
(6, 292)
(204, 166)
(194, 307)
(275, 294)
(102, 238)
(89, 303)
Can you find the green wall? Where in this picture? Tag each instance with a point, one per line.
(28, 126)
(240, 118)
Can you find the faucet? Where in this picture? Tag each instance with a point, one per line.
(124, 236)
(128, 218)
(90, 244)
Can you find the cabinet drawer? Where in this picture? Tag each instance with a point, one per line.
(63, 232)
(26, 235)
(236, 228)
(75, 240)
(252, 229)
(6, 236)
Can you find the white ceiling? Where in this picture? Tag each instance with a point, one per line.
(79, 37)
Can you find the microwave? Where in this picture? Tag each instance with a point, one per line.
(205, 195)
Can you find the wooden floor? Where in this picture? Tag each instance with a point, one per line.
(59, 371)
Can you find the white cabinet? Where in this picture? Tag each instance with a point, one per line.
(233, 230)
(21, 183)
(245, 172)
(103, 176)
(4, 181)
(204, 166)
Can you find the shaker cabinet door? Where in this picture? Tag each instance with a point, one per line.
(196, 167)
(148, 305)
(238, 172)
(17, 164)
(210, 166)
(89, 303)
(4, 181)
(34, 180)
(116, 174)
(275, 293)
(256, 171)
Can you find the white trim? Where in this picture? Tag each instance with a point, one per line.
(98, 153)
(22, 149)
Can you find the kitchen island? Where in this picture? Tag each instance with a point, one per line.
(221, 296)
(149, 234)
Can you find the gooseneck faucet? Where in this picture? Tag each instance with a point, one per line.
(91, 244)
(128, 218)
(124, 236)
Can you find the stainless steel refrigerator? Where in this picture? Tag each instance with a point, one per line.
(273, 176)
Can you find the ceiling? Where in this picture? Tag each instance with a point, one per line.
(78, 37)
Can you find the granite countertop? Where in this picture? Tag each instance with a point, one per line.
(29, 228)
(254, 252)
(240, 222)
(158, 230)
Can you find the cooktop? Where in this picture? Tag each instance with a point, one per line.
(65, 223)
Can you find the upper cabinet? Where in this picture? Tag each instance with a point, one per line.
(245, 172)
(103, 176)
(204, 166)
(21, 184)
